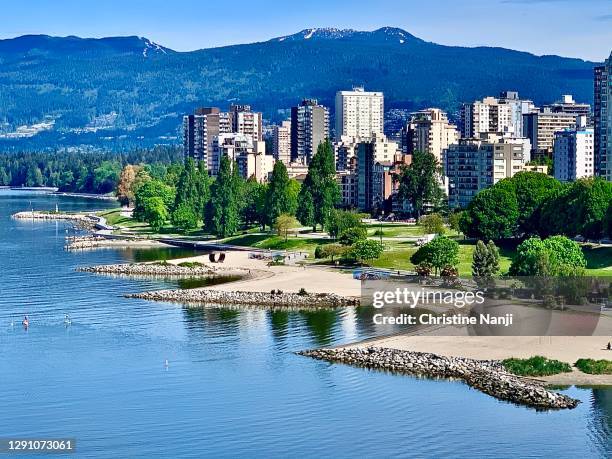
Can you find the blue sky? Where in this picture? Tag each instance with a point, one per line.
(577, 28)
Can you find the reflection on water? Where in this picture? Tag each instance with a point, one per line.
(233, 385)
(195, 282)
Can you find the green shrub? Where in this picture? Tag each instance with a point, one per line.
(594, 367)
(536, 366)
(190, 264)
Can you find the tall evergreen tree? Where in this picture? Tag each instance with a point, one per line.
(320, 191)
(485, 262)
(305, 210)
(187, 187)
(277, 195)
(203, 187)
(224, 201)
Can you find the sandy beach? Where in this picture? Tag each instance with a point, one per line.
(565, 348)
(289, 278)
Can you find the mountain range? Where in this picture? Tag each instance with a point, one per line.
(121, 92)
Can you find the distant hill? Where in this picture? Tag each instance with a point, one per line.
(129, 91)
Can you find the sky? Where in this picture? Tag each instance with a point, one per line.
(574, 28)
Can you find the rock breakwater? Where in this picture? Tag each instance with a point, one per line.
(263, 299)
(79, 220)
(488, 376)
(152, 269)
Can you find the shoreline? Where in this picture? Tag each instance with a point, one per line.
(564, 348)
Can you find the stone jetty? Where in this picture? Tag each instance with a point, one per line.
(238, 298)
(81, 220)
(488, 376)
(156, 269)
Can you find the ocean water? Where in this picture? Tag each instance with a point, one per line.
(233, 386)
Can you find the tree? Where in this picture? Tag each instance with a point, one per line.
(106, 176)
(330, 251)
(531, 189)
(485, 262)
(554, 256)
(340, 221)
(155, 212)
(420, 182)
(510, 208)
(608, 221)
(433, 224)
(152, 189)
(224, 207)
(293, 191)
(367, 249)
(492, 214)
(128, 181)
(577, 208)
(351, 235)
(277, 194)
(184, 217)
(305, 210)
(439, 252)
(320, 191)
(254, 197)
(191, 189)
(454, 220)
(285, 223)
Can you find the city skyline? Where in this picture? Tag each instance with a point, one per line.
(564, 33)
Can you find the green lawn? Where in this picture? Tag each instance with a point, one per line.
(274, 242)
(400, 230)
(599, 260)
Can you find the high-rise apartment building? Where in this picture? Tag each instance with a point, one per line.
(281, 142)
(245, 121)
(249, 156)
(503, 115)
(473, 165)
(199, 133)
(602, 119)
(375, 158)
(574, 152)
(309, 128)
(202, 129)
(345, 153)
(567, 104)
(429, 131)
(540, 127)
(359, 114)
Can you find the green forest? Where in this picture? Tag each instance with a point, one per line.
(78, 171)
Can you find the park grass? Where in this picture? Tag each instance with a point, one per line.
(394, 230)
(274, 242)
(114, 218)
(400, 230)
(594, 367)
(599, 260)
(536, 366)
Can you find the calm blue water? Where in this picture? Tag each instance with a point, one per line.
(233, 386)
